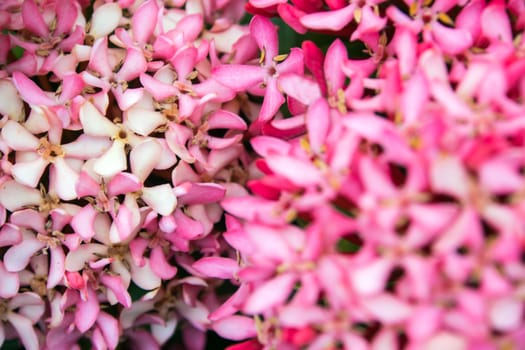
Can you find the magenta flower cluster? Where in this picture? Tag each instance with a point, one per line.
(168, 172)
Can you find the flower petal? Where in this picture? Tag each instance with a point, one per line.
(449, 176)
(294, 63)
(94, 123)
(87, 186)
(83, 222)
(446, 340)
(388, 309)
(9, 235)
(158, 89)
(18, 138)
(332, 20)
(145, 277)
(270, 242)
(231, 305)
(25, 330)
(99, 58)
(163, 332)
(56, 267)
(11, 104)
(495, 23)
(126, 98)
(134, 65)
(17, 257)
(318, 124)
(122, 226)
(273, 100)
(298, 171)
(335, 77)
(14, 196)
(372, 278)
(300, 88)
(422, 330)
(63, 179)
(160, 265)
(506, 314)
(87, 311)
(222, 119)
(86, 147)
(33, 20)
(66, 15)
(160, 198)
(115, 284)
(291, 15)
(144, 121)
(113, 161)
(76, 260)
(374, 179)
(299, 316)
(196, 314)
(270, 294)
(187, 228)
(10, 282)
(29, 173)
(144, 21)
(105, 19)
(451, 40)
(414, 98)
(202, 193)
(123, 183)
(216, 267)
(109, 327)
(264, 33)
(235, 327)
(267, 145)
(144, 157)
(184, 61)
(239, 77)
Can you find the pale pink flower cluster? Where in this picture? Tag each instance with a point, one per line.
(166, 171)
(116, 149)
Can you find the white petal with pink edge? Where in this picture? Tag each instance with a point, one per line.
(11, 104)
(105, 19)
(14, 196)
(113, 161)
(63, 179)
(160, 198)
(94, 123)
(144, 157)
(10, 282)
(17, 257)
(18, 138)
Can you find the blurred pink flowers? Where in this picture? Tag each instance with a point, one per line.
(169, 170)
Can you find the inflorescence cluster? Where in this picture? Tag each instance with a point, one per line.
(169, 171)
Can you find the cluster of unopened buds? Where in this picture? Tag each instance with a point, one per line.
(175, 174)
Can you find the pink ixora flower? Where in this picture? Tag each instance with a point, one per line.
(434, 24)
(143, 23)
(62, 105)
(113, 70)
(33, 155)
(262, 79)
(104, 333)
(19, 313)
(53, 31)
(51, 241)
